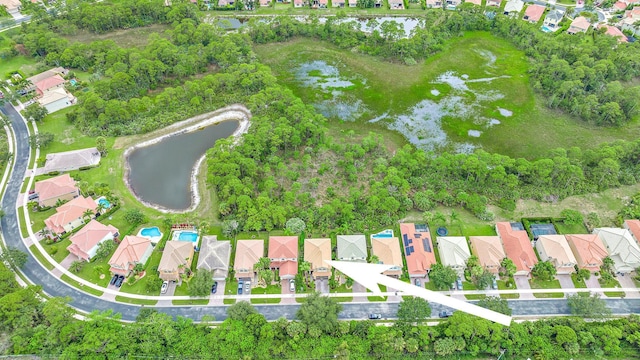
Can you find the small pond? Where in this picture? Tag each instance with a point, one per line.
(160, 174)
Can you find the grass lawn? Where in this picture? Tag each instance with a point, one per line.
(579, 284)
(342, 289)
(23, 224)
(271, 289)
(551, 284)
(571, 229)
(140, 286)
(136, 37)
(378, 298)
(25, 64)
(89, 290)
(96, 272)
(66, 137)
(191, 302)
(41, 258)
(470, 286)
(230, 288)
(58, 250)
(502, 285)
(527, 133)
(611, 284)
(38, 218)
(128, 300)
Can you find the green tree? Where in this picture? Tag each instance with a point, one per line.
(583, 274)
(134, 216)
(34, 112)
(442, 276)
(153, 284)
(101, 145)
(230, 227)
(544, 270)
(589, 307)
(319, 314)
(76, 266)
(201, 283)
(572, 217)
(507, 267)
(105, 249)
(413, 311)
(496, 304)
(295, 225)
(41, 140)
(14, 256)
(240, 310)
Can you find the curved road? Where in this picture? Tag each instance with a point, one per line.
(87, 303)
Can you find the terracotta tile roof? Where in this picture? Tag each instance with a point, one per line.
(634, 227)
(247, 254)
(615, 32)
(55, 187)
(517, 246)
(579, 24)
(489, 251)
(316, 251)
(588, 250)
(388, 252)
(90, 236)
(47, 74)
(69, 212)
(534, 12)
(48, 83)
(619, 5)
(420, 260)
(176, 254)
(130, 252)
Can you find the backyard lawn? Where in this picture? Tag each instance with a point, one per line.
(551, 284)
(570, 229)
(58, 250)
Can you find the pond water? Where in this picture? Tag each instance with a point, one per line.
(160, 174)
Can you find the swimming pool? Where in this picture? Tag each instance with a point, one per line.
(186, 236)
(104, 202)
(152, 233)
(383, 234)
(546, 29)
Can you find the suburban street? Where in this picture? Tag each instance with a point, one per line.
(87, 303)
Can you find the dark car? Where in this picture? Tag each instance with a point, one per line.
(375, 316)
(445, 314)
(240, 283)
(214, 287)
(119, 281)
(114, 279)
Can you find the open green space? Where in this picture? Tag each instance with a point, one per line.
(551, 284)
(27, 65)
(23, 224)
(96, 272)
(271, 289)
(393, 88)
(125, 38)
(140, 286)
(38, 255)
(57, 250)
(80, 286)
(342, 289)
(230, 288)
(571, 228)
(38, 218)
(66, 137)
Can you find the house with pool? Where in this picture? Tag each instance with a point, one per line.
(387, 249)
(190, 236)
(214, 256)
(59, 188)
(418, 248)
(133, 250)
(152, 233)
(71, 215)
(176, 260)
(85, 243)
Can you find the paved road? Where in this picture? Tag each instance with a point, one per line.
(87, 303)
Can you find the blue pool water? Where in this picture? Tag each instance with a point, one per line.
(151, 232)
(546, 29)
(188, 236)
(106, 204)
(383, 234)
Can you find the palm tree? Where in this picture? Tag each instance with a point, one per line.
(305, 267)
(76, 266)
(87, 214)
(101, 206)
(263, 264)
(374, 259)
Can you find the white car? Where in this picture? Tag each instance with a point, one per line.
(292, 285)
(165, 286)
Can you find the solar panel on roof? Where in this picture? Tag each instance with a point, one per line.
(406, 243)
(411, 248)
(426, 245)
(417, 235)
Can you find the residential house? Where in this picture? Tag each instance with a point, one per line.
(49, 84)
(555, 248)
(614, 32)
(513, 7)
(353, 3)
(214, 256)
(55, 100)
(248, 252)
(265, 3)
(133, 250)
(579, 24)
(588, 250)
(534, 13)
(495, 3)
(474, 2)
(71, 160)
(283, 253)
(50, 191)
(352, 248)
(418, 249)
(316, 252)
(454, 252)
(298, 3)
(619, 6)
(452, 4)
(176, 260)
(225, 3)
(634, 228)
(71, 215)
(396, 4)
(489, 251)
(553, 18)
(517, 246)
(434, 4)
(623, 249)
(388, 252)
(323, 4)
(12, 6)
(85, 243)
(55, 72)
(630, 19)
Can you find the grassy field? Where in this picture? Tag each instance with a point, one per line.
(342, 289)
(394, 89)
(128, 38)
(29, 66)
(140, 286)
(612, 284)
(552, 284)
(571, 229)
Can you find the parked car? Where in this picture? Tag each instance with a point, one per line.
(165, 287)
(375, 316)
(445, 314)
(214, 287)
(119, 281)
(494, 284)
(247, 286)
(292, 285)
(114, 279)
(240, 283)
(459, 283)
